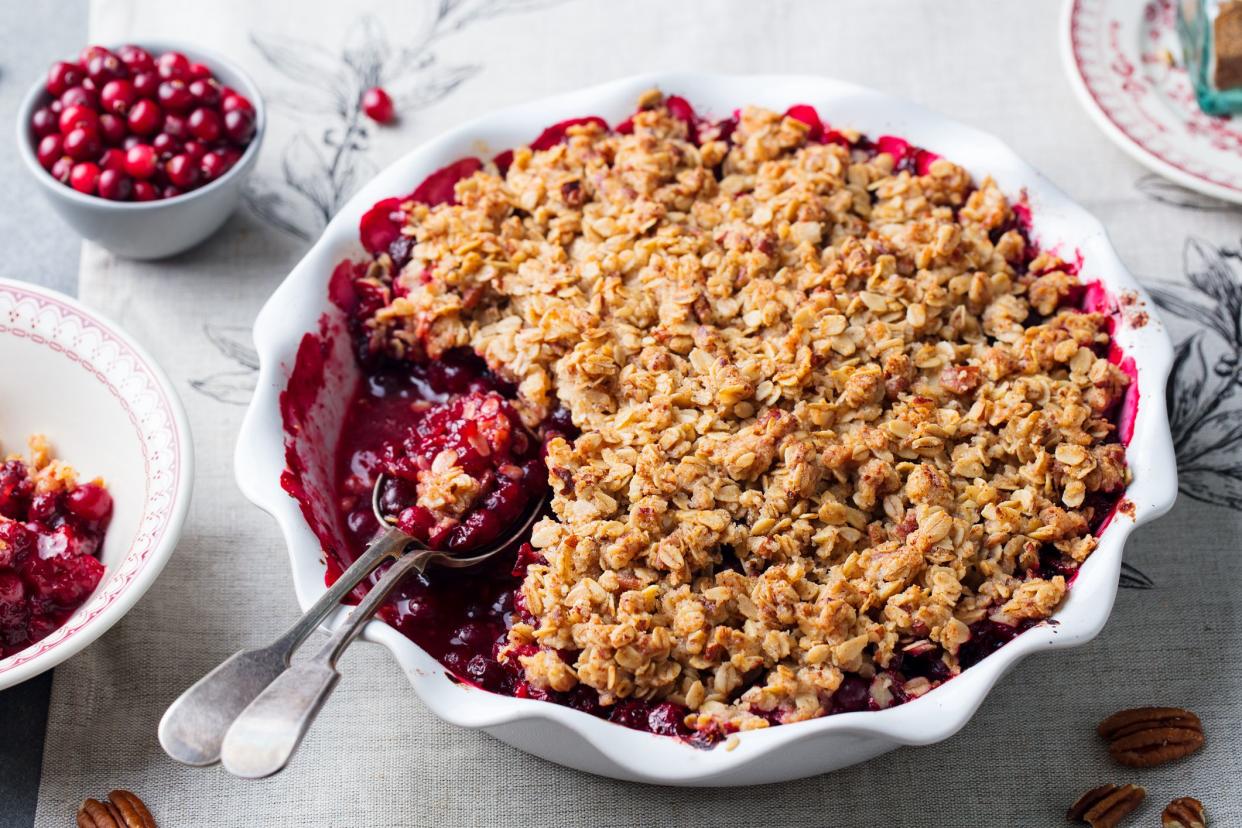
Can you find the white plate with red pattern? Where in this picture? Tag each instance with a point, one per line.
(1125, 64)
(107, 410)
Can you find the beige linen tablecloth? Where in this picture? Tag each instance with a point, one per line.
(377, 757)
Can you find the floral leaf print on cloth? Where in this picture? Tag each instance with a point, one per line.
(1204, 399)
(1161, 189)
(234, 386)
(326, 161)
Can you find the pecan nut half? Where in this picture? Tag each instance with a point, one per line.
(1106, 806)
(1184, 812)
(1149, 736)
(123, 809)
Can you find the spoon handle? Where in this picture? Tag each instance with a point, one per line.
(388, 545)
(265, 736)
(192, 729)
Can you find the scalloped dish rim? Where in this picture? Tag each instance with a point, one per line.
(788, 751)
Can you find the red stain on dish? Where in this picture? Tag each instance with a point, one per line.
(297, 406)
(461, 618)
(1097, 299)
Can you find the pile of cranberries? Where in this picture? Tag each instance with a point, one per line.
(48, 544)
(130, 126)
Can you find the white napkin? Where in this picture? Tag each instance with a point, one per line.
(376, 756)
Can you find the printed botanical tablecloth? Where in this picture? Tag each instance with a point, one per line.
(376, 756)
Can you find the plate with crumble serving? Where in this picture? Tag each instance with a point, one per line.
(842, 409)
(96, 468)
(1126, 67)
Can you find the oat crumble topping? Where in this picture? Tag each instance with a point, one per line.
(832, 412)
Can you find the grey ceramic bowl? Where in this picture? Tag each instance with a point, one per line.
(150, 229)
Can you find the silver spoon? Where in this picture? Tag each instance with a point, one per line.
(193, 728)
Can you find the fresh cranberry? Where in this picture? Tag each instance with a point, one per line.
(90, 52)
(173, 66)
(175, 126)
(165, 145)
(130, 141)
(80, 96)
(111, 129)
(198, 71)
(117, 96)
(85, 177)
(82, 144)
(112, 159)
(174, 96)
(136, 58)
(144, 191)
(44, 122)
(182, 171)
(239, 126)
(78, 116)
(378, 105)
(145, 117)
(115, 185)
(235, 101)
(105, 67)
(146, 84)
(206, 91)
(62, 76)
(195, 149)
(172, 192)
(62, 169)
(217, 162)
(51, 148)
(205, 124)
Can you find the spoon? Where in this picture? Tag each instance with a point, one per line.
(193, 729)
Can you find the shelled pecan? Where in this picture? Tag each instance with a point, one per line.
(122, 809)
(1106, 806)
(1148, 736)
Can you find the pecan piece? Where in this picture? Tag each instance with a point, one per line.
(1184, 812)
(1148, 736)
(123, 809)
(1106, 806)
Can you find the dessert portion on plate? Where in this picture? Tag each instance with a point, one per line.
(51, 531)
(823, 425)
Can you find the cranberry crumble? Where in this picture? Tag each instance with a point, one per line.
(133, 127)
(51, 530)
(822, 425)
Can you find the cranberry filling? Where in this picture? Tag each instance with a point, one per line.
(406, 415)
(480, 435)
(48, 544)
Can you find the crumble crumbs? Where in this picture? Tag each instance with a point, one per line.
(833, 412)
